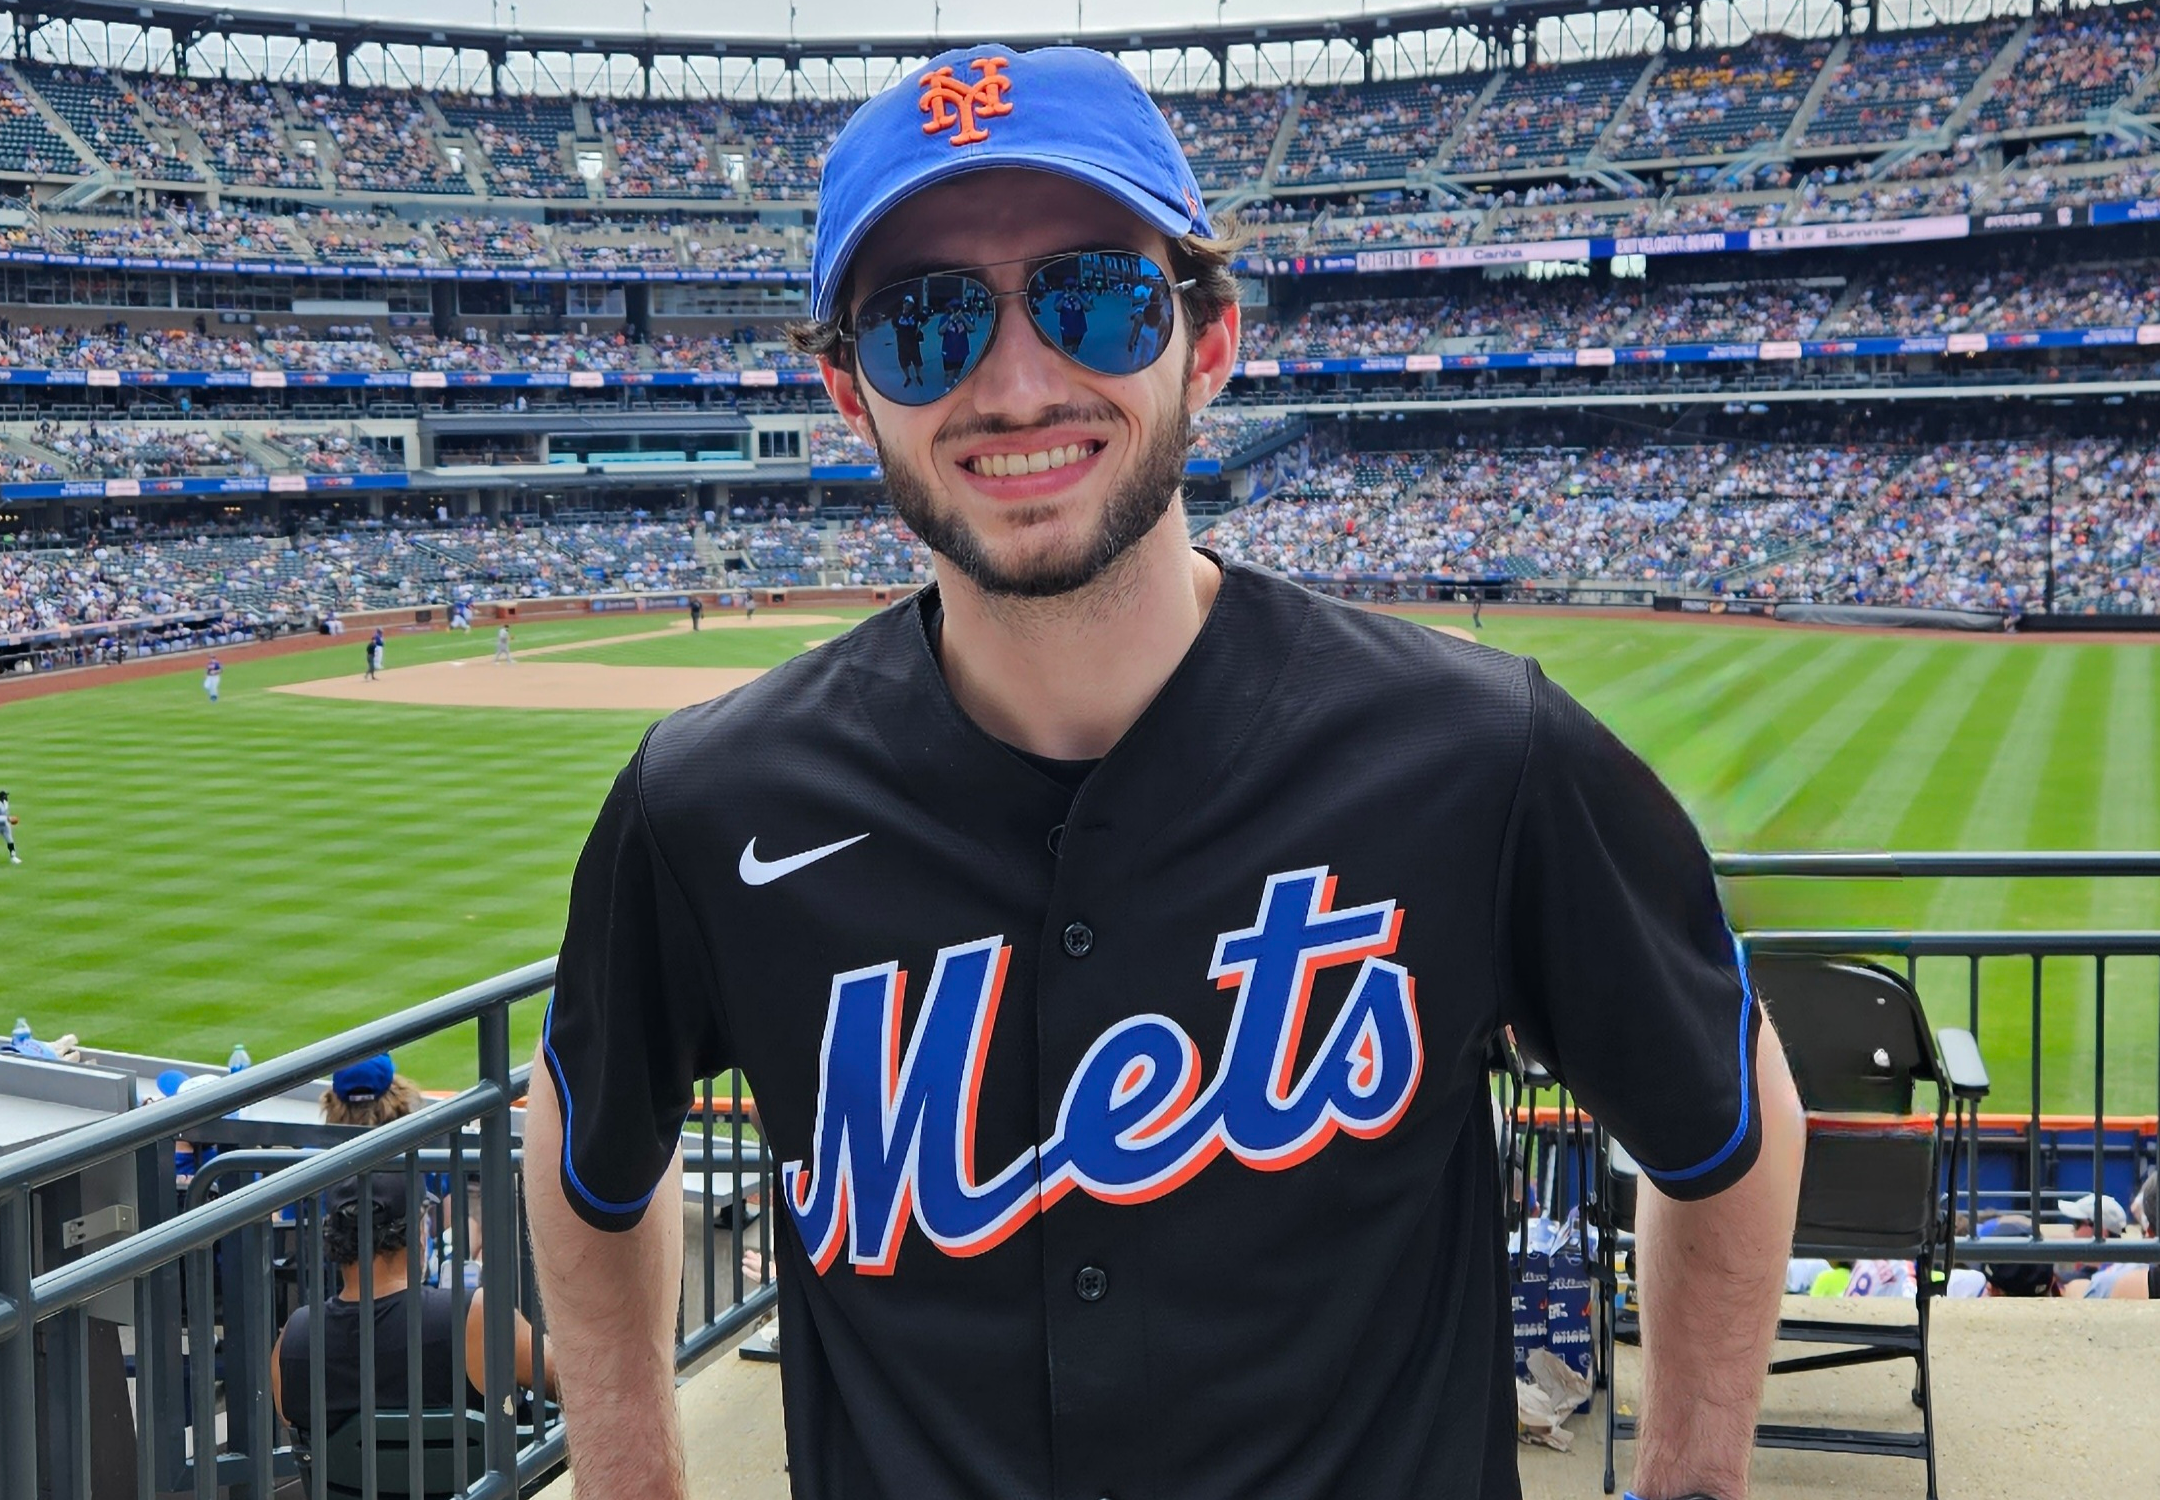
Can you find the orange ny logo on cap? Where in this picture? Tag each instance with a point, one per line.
(950, 102)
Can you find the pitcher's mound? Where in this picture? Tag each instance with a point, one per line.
(481, 683)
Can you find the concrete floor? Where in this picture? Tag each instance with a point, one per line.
(2033, 1399)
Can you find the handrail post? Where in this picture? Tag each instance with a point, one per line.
(498, 1269)
(18, 1355)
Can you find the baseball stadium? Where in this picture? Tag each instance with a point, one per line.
(401, 413)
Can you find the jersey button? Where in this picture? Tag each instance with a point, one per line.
(1091, 1283)
(1079, 940)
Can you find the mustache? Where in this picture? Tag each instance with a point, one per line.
(1072, 414)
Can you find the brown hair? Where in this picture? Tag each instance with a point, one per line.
(1204, 260)
(393, 1103)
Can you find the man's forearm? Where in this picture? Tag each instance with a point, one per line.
(611, 1302)
(1711, 1273)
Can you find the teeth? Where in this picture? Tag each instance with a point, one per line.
(1004, 465)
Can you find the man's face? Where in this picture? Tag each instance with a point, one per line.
(968, 472)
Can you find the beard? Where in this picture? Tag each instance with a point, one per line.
(1136, 504)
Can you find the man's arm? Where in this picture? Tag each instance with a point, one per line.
(1711, 1273)
(611, 1301)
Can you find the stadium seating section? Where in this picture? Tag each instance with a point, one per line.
(1959, 524)
(1546, 116)
(1722, 103)
(1903, 84)
(2075, 61)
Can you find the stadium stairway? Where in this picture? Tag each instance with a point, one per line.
(58, 125)
(1984, 85)
(1446, 149)
(1625, 109)
(1285, 133)
(1798, 125)
(2032, 1398)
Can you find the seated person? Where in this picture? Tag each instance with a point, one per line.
(289, 1359)
(369, 1093)
(2122, 1282)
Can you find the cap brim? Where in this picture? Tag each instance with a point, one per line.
(1171, 221)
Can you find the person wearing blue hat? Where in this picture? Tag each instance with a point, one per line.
(1117, 935)
(368, 1093)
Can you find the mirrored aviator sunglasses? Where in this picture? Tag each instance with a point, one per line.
(1110, 311)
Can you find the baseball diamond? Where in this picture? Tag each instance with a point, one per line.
(375, 850)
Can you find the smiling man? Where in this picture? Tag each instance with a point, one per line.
(1115, 938)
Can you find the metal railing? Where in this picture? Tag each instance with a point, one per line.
(1975, 952)
(200, 1279)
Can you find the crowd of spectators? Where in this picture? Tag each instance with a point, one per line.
(331, 452)
(385, 141)
(1226, 136)
(662, 149)
(100, 107)
(125, 450)
(520, 140)
(833, 442)
(1376, 130)
(2106, 295)
(1898, 84)
(784, 141)
(476, 241)
(877, 549)
(1960, 525)
(512, 352)
(1720, 103)
(2074, 61)
(239, 125)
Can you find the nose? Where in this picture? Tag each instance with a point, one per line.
(1020, 375)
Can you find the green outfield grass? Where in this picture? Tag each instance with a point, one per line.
(274, 868)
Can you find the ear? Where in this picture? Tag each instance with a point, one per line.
(847, 398)
(1214, 355)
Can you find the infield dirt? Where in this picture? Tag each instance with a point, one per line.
(481, 682)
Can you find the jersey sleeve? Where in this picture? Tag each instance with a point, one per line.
(1619, 972)
(635, 1020)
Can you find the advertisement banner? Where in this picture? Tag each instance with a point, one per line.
(1865, 232)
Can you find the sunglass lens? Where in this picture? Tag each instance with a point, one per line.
(1110, 310)
(916, 340)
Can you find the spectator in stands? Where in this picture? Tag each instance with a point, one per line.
(394, 1220)
(369, 1093)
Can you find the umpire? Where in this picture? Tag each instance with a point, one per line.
(1114, 936)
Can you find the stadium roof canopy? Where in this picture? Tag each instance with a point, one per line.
(188, 23)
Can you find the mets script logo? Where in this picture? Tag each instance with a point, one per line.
(950, 102)
(895, 1132)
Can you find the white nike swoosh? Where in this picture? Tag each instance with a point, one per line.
(755, 871)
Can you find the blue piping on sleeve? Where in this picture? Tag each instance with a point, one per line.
(1747, 1086)
(562, 1086)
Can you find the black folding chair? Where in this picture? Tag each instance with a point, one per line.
(1872, 1186)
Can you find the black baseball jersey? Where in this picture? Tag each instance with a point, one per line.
(1136, 1139)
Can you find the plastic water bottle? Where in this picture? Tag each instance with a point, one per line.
(238, 1060)
(21, 1032)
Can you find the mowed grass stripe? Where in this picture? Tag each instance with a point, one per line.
(1889, 673)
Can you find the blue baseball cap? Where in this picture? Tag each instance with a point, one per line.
(365, 1081)
(1068, 110)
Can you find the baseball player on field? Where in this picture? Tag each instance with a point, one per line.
(8, 820)
(1114, 937)
(213, 676)
(502, 646)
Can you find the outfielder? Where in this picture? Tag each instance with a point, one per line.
(213, 675)
(1114, 936)
(8, 820)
